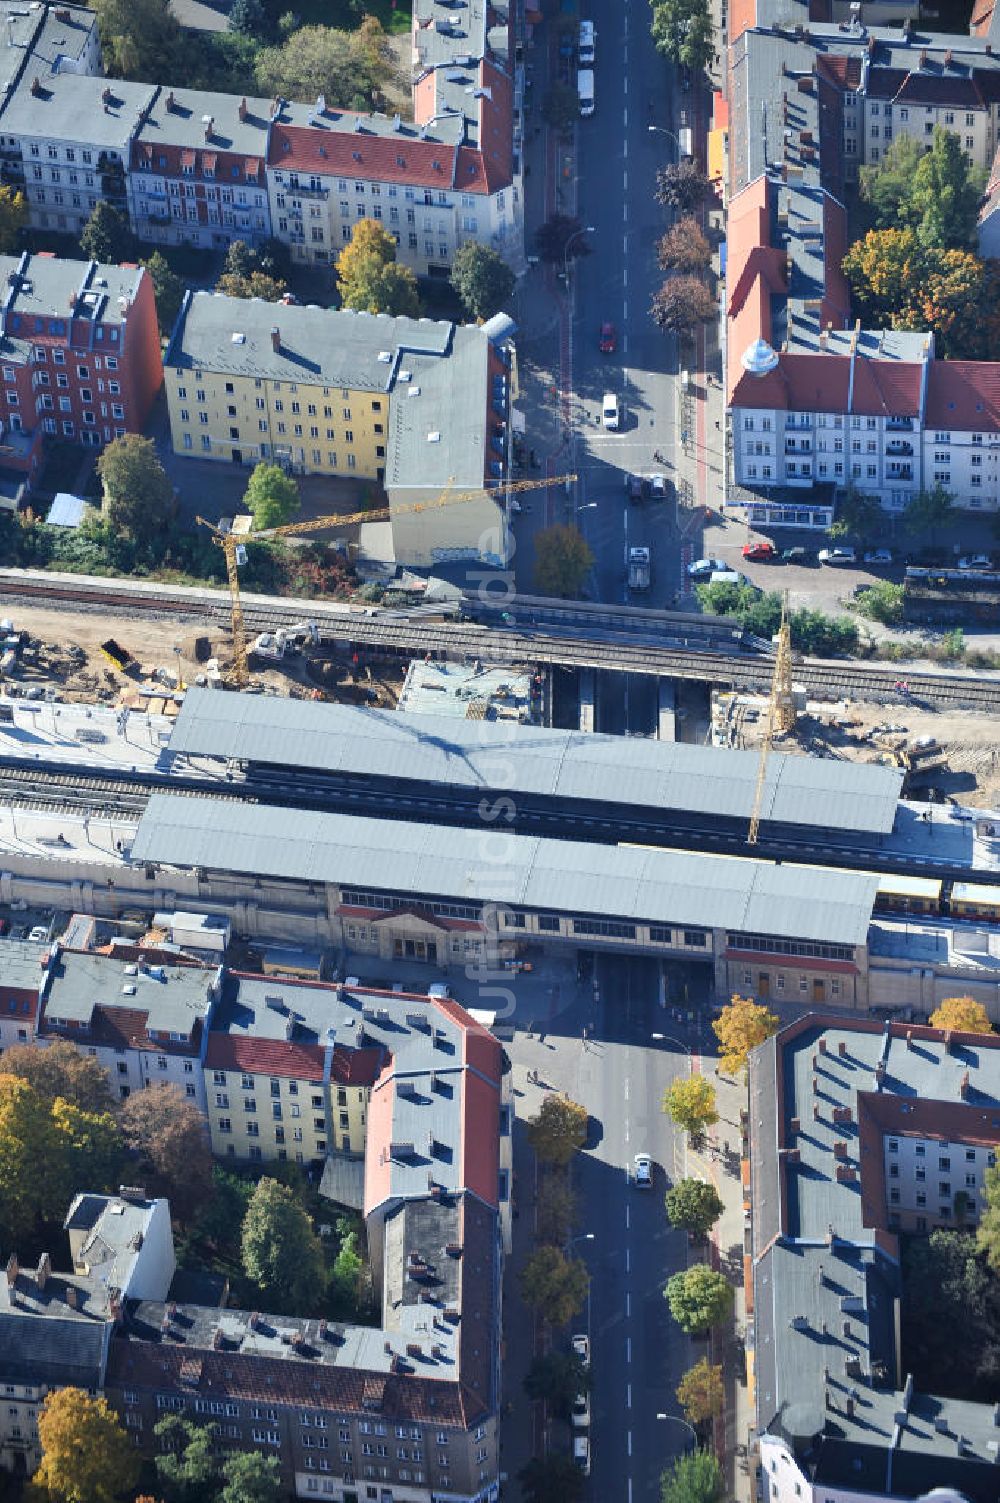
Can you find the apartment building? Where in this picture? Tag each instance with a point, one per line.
(45, 39)
(66, 143)
(816, 403)
(859, 1131)
(24, 972)
(419, 406)
(79, 353)
(146, 1024)
(197, 170)
(278, 1085)
(55, 1328)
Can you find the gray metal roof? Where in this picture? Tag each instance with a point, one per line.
(174, 998)
(99, 112)
(239, 125)
(670, 887)
(815, 792)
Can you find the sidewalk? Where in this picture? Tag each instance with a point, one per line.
(719, 1163)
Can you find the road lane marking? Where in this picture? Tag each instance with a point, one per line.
(625, 180)
(627, 1216)
(628, 1396)
(628, 1260)
(628, 1349)
(630, 1442)
(625, 81)
(626, 126)
(624, 276)
(626, 1090)
(625, 340)
(628, 1305)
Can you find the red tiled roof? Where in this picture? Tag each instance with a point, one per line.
(742, 16)
(837, 69)
(836, 308)
(387, 159)
(964, 394)
(240, 1375)
(356, 1067)
(227, 1051)
(121, 1028)
(924, 88)
(886, 388)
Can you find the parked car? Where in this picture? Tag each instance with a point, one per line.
(704, 568)
(588, 39)
(581, 1346)
(879, 556)
(39, 934)
(760, 552)
(794, 555)
(837, 556)
(607, 340)
(581, 1453)
(643, 1170)
(658, 487)
(635, 487)
(975, 561)
(611, 412)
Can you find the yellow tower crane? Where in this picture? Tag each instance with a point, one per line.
(233, 545)
(780, 713)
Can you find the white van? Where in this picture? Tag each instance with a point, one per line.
(585, 90)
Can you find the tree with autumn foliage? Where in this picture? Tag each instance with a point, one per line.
(554, 1285)
(681, 305)
(559, 1131)
(742, 1025)
(700, 1392)
(898, 280)
(86, 1455)
(961, 1015)
(681, 185)
(167, 1132)
(370, 280)
(33, 1183)
(61, 1069)
(689, 1102)
(684, 247)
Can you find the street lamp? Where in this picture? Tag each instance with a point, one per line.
(583, 1237)
(669, 1039)
(585, 229)
(662, 131)
(675, 1419)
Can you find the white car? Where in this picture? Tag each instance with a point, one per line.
(643, 1171)
(976, 561)
(39, 934)
(581, 1453)
(611, 412)
(704, 568)
(588, 37)
(837, 556)
(581, 1346)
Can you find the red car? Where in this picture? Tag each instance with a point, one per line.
(608, 341)
(759, 552)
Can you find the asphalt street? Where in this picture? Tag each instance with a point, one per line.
(620, 1072)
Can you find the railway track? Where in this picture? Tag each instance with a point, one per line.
(463, 640)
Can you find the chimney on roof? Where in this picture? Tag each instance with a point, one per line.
(822, 1046)
(947, 58)
(795, 1126)
(922, 60)
(842, 1048)
(209, 123)
(830, 1234)
(217, 1339)
(822, 339)
(815, 1111)
(43, 1270)
(909, 1038)
(168, 103)
(71, 1296)
(36, 86)
(275, 339)
(840, 1149)
(963, 1086)
(947, 1040)
(106, 97)
(815, 1085)
(880, 1072)
(241, 109)
(12, 1270)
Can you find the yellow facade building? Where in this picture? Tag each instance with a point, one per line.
(278, 1088)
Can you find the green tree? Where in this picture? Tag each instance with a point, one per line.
(563, 560)
(106, 236)
(168, 289)
(272, 497)
(349, 1279)
(694, 1478)
(138, 498)
(681, 185)
(561, 238)
(681, 305)
(91, 1146)
(551, 1479)
(694, 1205)
(700, 1392)
(684, 32)
(689, 1101)
(988, 1230)
(13, 218)
(86, 1455)
(33, 1182)
(61, 1069)
(945, 195)
(482, 279)
(281, 1252)
(347, 68)
(249, 1477)
(369, 278)
(561, 106)
(859, 515)
(556, 1379)
(699, 1298)
(257, 284)
(248, 18)
(554, 1284)
(186, 1469)
(167, 1132)
(684, 247)
(887, 187)
(556, 1208)
(928, 511)
(140, 39)
(951, 1312)
(881, 602)
(741, 1026)
(559, 1130)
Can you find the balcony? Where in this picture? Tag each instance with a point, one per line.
(897, 446)
(899, 472)
(899, 425)
(304, 190)
(798, 445)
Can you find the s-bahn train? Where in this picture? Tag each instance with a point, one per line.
(972, 902)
